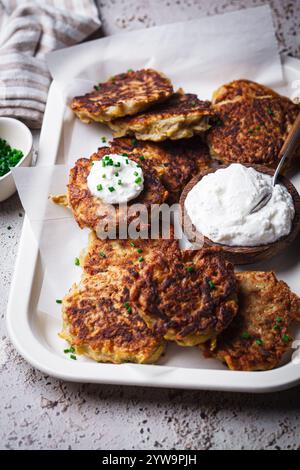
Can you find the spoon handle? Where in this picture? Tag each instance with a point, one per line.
(288, 147)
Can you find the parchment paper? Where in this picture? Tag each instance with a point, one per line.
(198, 55)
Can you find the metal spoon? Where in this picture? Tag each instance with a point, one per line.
(286, 151)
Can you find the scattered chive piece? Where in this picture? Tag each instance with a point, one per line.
(140, 259)
(286, 338)
(257, 128)
(97, 87)
(103, 163)
(259, 342)
(102, 254)
(250, 131)
(128, 308)
(104, 176)
(190, 268)
(211, 284)
(103, 139)
(132, 244)
(140, 250)
(136, 173)
(142, 158)
(124, 155)
(120, 182)
(130, 70)
(279, 320)
(118, 164)
(246, 335)
(276, 327)
(138, 180)
(111, 189)
(99, 187)
(72, 349)
(66, 351)
(116, 173)
(270, 112)
(73, 357)
(77, 262)
(58, 301)
(134, 142)
(127, 162)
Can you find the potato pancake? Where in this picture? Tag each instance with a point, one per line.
(252, 124)
(123, 95)
(181, 117)
(259, 335)
(189, 299)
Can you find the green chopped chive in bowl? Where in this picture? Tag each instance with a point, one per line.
(9, 157)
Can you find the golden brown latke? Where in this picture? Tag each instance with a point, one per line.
(99, 323)
(89, 210)
(252, 124)
(259, 335)
(130, 255)
(181, 117)
(123, 95)
(174, 162)
(189, 297)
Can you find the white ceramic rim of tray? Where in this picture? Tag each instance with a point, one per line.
(39, 356)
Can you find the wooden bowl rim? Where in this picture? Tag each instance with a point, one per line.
(288, 239)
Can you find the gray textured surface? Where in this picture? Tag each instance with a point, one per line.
(38, 412)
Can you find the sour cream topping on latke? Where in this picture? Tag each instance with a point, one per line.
(219, 206)
(115, 179)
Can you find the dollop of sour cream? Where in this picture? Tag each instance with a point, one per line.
(219, 207)
(115, 179)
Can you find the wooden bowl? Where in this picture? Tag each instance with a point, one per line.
(244, 254)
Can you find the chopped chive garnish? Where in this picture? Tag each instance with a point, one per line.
(190, 268)
(104, 176)
(246, 335)
(58, 301)
(138, 180)
(276, 328)
(140, 259)
(140, 250)
(279, 320)
(118, 164)
(66, 351)
(97, 87)
(130, 70)
(259, 342)
(103, 139)
(124, 155)
(286, 338)
(132, 244)
(127, 162)
(136, 173)
(257, 128)
(211, 284)
(70, 350)
(270, 112)
(128, 308)
(99, 187)
(142, 158)
(120, 182)
(73, 357)
(102, 254)
(134, 142)
(77, 262)
(103, 163)
(116, 173)
(111, 189)
(250, 131)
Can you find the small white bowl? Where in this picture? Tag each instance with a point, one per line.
(18, 136)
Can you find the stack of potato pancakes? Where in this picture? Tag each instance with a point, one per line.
(136, 295)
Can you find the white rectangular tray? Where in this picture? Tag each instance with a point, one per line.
(35, 335)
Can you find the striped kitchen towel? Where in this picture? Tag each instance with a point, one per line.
(30, 29)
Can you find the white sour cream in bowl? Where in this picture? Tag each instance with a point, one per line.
(115, 179)
(219, 206)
